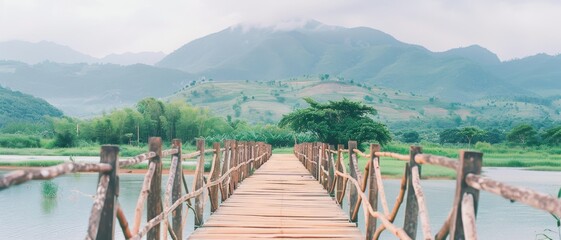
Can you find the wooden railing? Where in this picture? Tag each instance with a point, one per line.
(327, 165)
(230, 166)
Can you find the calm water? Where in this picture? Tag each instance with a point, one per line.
(25, 214)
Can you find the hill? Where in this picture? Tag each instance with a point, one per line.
(89, 89)
(362, 54)
(267, 101)
(17, 107)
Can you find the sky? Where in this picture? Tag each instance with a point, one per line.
(510, 28)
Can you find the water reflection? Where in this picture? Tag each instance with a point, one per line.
(49, 204)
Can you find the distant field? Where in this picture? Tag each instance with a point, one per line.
(267, 101)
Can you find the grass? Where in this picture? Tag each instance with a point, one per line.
(124, 150)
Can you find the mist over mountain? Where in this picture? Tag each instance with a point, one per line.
(87, 89)
(33, 53)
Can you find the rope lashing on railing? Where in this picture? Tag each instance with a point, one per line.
(524, 195)
(21, 176)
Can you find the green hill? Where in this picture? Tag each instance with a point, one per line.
(255, 101)
(17, 107)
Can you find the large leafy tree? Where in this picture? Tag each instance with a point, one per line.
(552, 136)
(523, 134)
(337, 122)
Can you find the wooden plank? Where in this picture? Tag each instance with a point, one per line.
(280, 200)
(155, 194)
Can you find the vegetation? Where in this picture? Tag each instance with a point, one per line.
(337, 122)
(49, 189)
(16, 107)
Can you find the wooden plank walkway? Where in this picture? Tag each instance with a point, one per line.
(281, 200)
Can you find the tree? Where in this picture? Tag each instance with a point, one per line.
(337, 122)
(470, 132)
(411, 137)
(450, 136)
(552, 136)
(523, 134)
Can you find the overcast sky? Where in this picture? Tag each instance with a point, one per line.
(510, 28)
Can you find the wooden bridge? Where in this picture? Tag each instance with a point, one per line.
(254, 194)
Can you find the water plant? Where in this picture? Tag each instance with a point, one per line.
(49, 189)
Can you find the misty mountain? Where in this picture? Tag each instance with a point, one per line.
(362, 54)
(128, 58)
(87, 89)
(16, 107)
(33, 53)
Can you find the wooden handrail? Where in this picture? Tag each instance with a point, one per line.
(21, 176)
(460, 223)
(136, 160)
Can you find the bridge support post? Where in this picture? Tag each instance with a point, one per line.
(109, 154)
(198, 183)
(225, 168)
(155, 196)
(214, 175)
(177, 191)
(330, 167)
(412, 207)
(470, 162)
(340, 182)
(353, 191)
(372, 190)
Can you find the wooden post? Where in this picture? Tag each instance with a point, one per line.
(330, 167)
(340, 167)
(214, 175)
(110, 155)
(372, 190)
(412, 207)
(235, 162)
(225, 168)
(353, 191)
(198, 183)
(177, 192)
(470, 162)
(154, 202)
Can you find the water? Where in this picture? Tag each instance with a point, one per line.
(25, 214)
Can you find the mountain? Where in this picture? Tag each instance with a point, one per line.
(16, 107)
(540, 73)
(475, 53)
(33, 53)
(88, 89)
(362, 54)
(128, 58)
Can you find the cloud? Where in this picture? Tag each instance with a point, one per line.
(511, 28)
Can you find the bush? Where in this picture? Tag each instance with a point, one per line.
(483, 146)
(19, 141)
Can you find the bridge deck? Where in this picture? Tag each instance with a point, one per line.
(281, 200)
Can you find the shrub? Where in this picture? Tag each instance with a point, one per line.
(19, 141)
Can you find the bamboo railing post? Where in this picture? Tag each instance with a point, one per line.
(353, 191)
(198, 183)
(177, 191)
(225, 168)
(109, 154)
(340, 183)
(372, 191)
(330, 167)
(155, 195)
(470, 162)
(323, 165)
(214, 175)
(412, 207)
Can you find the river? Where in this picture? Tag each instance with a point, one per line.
(26, 214)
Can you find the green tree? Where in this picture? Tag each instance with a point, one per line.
(337, 122)
(523, 134)
(552, 136)
(470, 132)
(410, 137)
